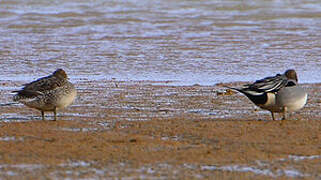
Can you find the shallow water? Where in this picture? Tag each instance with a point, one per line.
(76, 169)
(183, 42)
(204, 42)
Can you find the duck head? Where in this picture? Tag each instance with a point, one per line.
(291, 74)
(60, 73)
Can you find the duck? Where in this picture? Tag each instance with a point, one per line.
(50, 93)
(277, 94)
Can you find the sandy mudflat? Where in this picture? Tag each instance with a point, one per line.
(152, 130)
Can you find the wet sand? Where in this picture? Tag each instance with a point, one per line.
(159, 130)
(152, 130)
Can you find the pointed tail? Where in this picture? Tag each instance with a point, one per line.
(236, 89)
(25, 94)
(9, 104)
(246, 91)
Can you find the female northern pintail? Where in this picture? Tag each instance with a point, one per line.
(49, 93)
(279, 93)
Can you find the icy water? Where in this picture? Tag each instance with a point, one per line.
(204, 42)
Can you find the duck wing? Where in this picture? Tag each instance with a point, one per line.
(268, 84)
(44, 84)
(39, 86)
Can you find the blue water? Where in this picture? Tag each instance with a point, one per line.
(188, 42)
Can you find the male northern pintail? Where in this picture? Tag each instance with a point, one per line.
(280, 93)
(49, 93)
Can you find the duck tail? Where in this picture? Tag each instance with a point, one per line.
(246, 91)
(236, 89)
(22, 94)
(8, 104)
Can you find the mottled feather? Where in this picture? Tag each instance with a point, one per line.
(50, 93)
(57, 79)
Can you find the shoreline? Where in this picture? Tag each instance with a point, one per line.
(137, 129)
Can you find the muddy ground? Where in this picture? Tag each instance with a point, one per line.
(155, 130)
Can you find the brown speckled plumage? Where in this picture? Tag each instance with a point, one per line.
(48, 93)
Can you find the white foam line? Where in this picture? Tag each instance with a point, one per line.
(10, 173)
(240, 168)
(291, 173)
(78, 129)
(22, 166)
(300, 158)
(10, 138)
(76, 164)
(259, 171)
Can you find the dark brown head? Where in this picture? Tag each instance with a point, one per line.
(60, 73)
(291, 74)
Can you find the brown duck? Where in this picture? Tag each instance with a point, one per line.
(49, 93)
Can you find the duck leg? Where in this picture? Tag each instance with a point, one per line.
(55, 114)
(272, 114)
(43, 115)
(285, 109)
